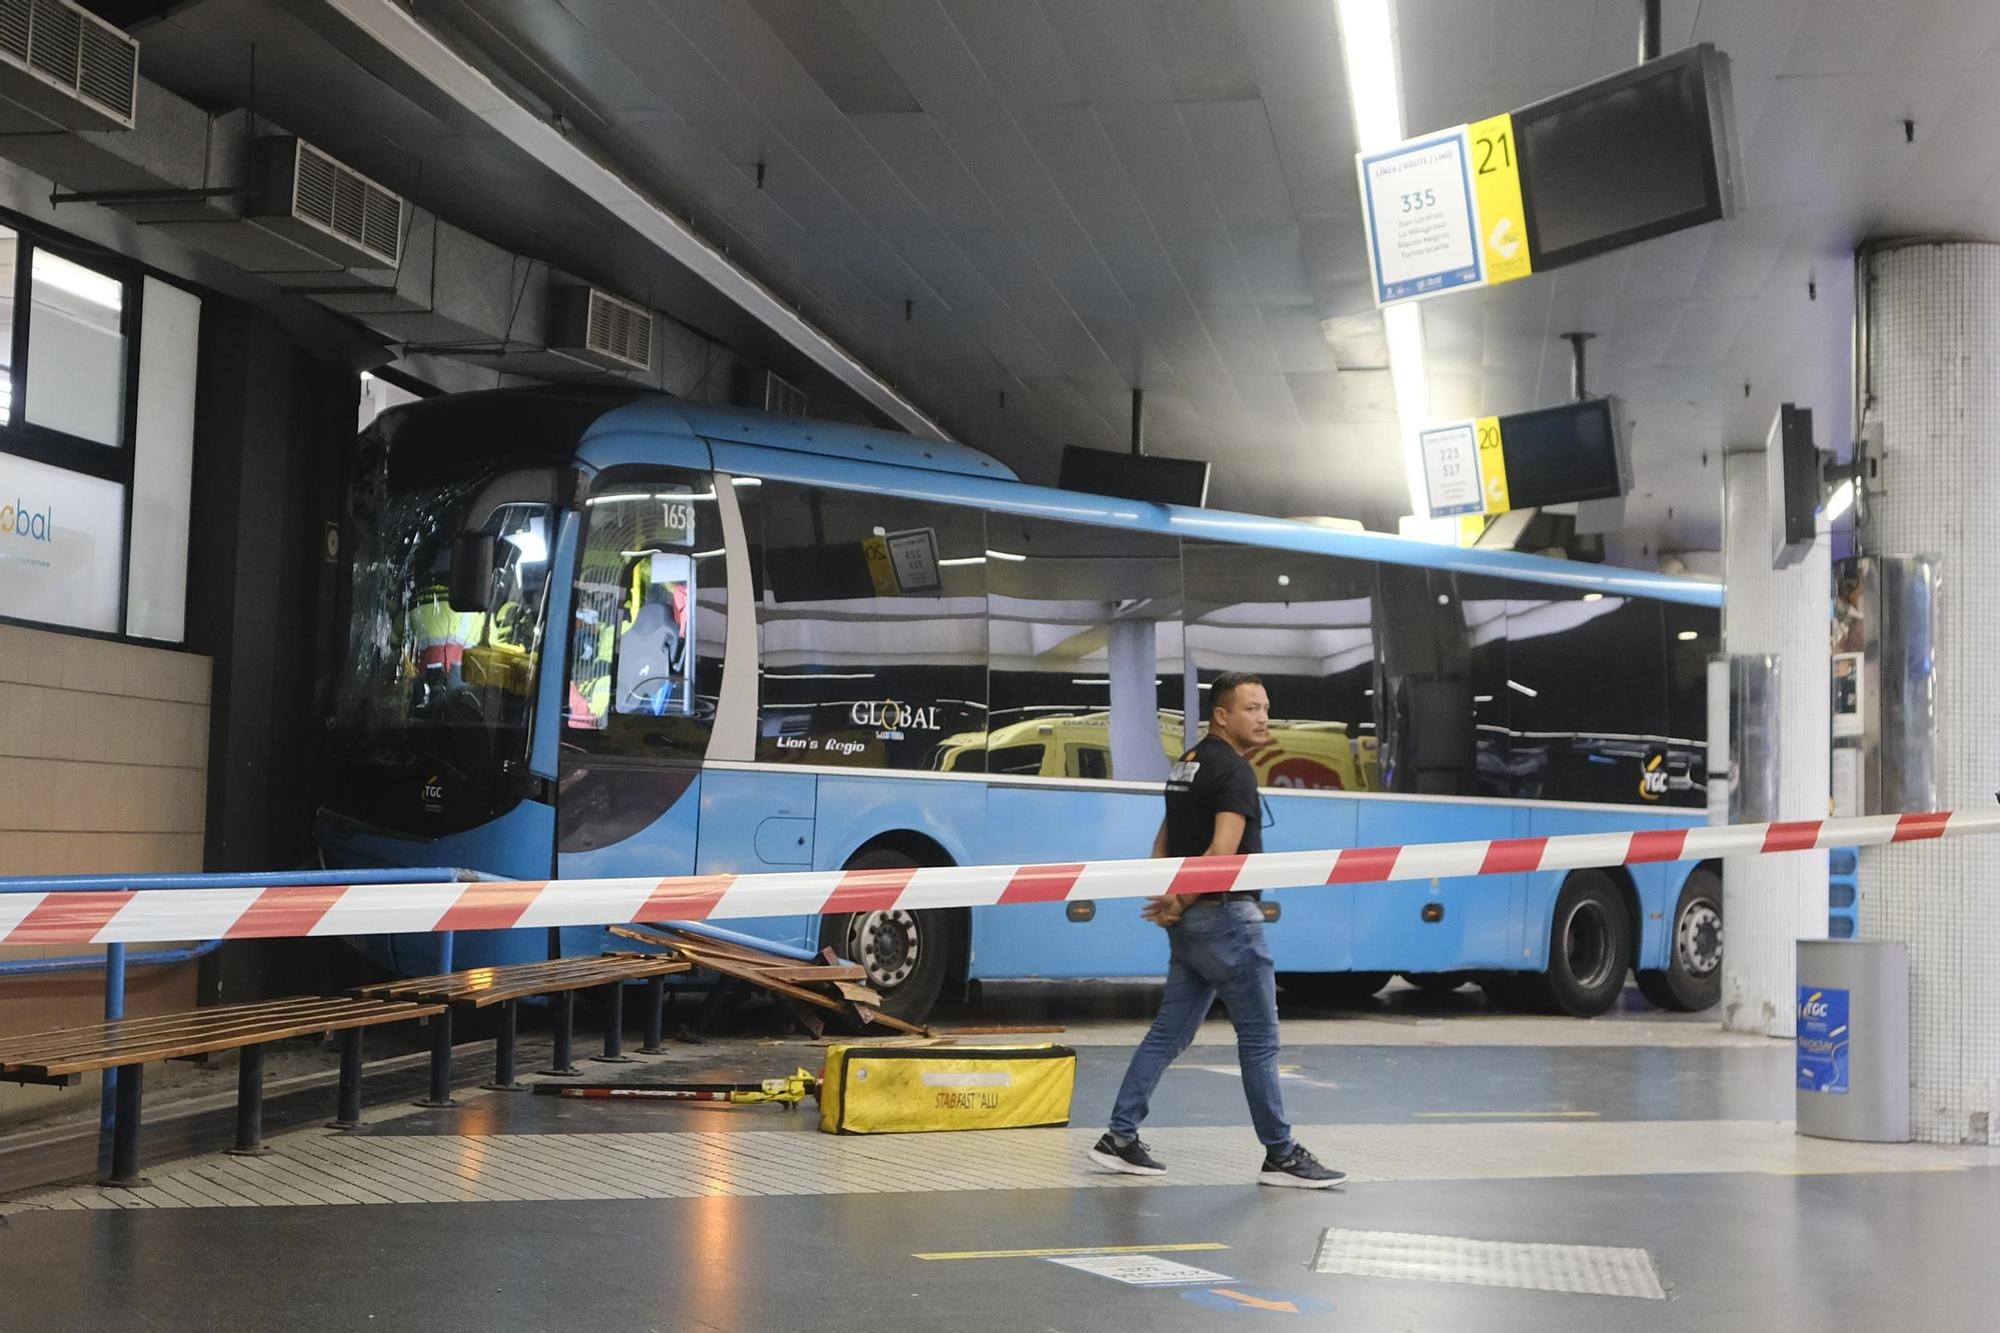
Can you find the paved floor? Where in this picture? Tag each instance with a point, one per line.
(1507, 1173)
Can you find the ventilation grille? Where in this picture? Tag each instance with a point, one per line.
(783, 396)
(76, 51)
(347, 204)
(619, 330)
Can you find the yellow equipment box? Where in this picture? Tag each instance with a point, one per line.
(913, 1089)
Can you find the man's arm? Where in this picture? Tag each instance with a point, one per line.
(1228, 835)
(1165, 910)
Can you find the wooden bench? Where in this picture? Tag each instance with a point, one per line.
(560, 978)
(62, 1056)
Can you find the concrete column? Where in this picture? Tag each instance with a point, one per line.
(1136, 753)
(1770, 902)
(1933, 368)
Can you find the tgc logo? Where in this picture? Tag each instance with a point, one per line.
(20, 521)
(1813, 1006)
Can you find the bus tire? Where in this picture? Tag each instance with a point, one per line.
(1333, 990)
(906, 953)
(1692, 978)
(1590, 946)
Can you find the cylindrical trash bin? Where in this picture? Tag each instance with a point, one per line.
(1854, 1040)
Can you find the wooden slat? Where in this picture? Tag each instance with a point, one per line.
(486, 986)
(729, 967)
(20, 1049)
(225, 1031)
(806, 973)
(226, 1020)
(556, 968)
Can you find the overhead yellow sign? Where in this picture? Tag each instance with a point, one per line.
(881, 569)
(1492, 465)
(1496, 187)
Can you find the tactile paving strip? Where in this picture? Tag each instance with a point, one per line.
(1593, 1270)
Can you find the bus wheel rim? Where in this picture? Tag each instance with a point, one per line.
(887, 945)
(1698, 938)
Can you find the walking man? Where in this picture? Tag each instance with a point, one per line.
(1216, 946)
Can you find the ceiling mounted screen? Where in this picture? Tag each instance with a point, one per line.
(1643, 153)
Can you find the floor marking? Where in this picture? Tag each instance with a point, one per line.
(1593, 1270)
(1258, 1302)
(1288, 1073)
(1245, 1299)
(1052, 1253)
(1141, 1270)
(1506, 1115)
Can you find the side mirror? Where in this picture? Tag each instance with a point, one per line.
(472, 559)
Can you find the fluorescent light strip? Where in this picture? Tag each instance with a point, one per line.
(1519, 688)
(958, 560)
(1368, 50)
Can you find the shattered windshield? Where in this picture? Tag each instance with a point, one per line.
(423, 681)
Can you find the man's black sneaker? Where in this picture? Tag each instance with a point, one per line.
(1132, 1159)
(1298, 1170)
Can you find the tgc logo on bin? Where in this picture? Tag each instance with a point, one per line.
(1822, 1040)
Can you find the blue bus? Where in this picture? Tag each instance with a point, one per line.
(609, 633)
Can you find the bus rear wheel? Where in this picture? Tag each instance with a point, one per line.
(905, 953)
(1692, 979)
(1590, 947)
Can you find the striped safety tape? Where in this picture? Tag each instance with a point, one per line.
(99, 917)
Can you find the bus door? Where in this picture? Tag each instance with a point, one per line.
(648, 623)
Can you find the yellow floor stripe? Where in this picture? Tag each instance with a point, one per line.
(1507, 1115)
(1079, 1249)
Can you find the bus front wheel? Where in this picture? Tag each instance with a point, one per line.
(905, 953)
(1692, 979)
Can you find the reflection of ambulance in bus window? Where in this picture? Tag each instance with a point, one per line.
(1068, 746)
(1316, 756)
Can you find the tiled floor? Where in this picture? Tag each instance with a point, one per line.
(1621, 1174)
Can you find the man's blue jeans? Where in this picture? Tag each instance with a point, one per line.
(1218, 949)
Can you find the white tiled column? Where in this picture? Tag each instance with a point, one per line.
(1771, 902)
(1934, 353)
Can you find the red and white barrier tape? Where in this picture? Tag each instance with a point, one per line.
(150, 915)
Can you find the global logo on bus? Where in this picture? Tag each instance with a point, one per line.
(888, 714)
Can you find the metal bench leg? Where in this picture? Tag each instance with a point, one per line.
(348, 1113)
(562, 1018)
(440, 1062)
(250, 1104)
(503, 1052)
(614, 1026)
(656, 1016)
(125, 1131)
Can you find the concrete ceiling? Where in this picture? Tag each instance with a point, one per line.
(1016, 210)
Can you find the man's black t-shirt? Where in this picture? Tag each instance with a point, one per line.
(1208, 780)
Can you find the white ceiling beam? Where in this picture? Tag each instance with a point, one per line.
(400, 34)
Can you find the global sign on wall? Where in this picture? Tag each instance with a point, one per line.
(62, 545)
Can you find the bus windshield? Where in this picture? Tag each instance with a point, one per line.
(426, 686)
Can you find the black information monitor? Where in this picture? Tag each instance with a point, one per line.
(1648, 151)
(1180, 481)
(1555, 455)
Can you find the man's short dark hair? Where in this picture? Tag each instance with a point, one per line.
(1226, 685)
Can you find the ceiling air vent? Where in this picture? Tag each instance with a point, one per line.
(324, 205)
(783, 396)
(66, 65)
(598, 327)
